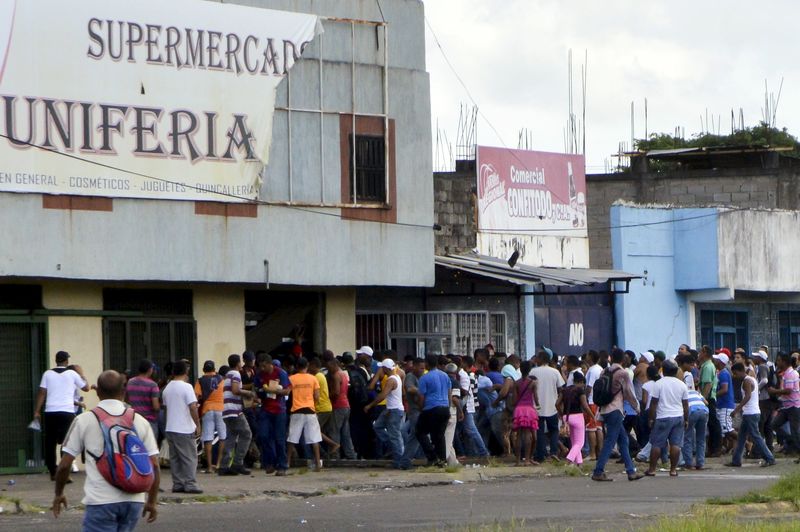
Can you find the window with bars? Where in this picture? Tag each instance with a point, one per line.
(789, 329)
(369, 166)
(720, 329)
(129, 340)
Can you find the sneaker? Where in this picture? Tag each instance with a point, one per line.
(241, 470)
(635, 476)
(226, 472)
(193, 491)
(731, 464)
(269, 470)
(768, 464)
(602, 478)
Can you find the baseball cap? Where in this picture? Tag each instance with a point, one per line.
(451, 368)
(724, 351)
(208, 365)
(648, 356)
(347, 358)
(549, 352)
(62, 356)
(722, 357)
(660, 355)
(387, 363)
(365, 350)
(760, 354)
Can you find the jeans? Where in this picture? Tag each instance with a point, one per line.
(388, 430)
(694, 441)
(750, 428)
(767, 407)
(792, 438)
(615, 434)
(341, 432)
(473, 439)
(272, 440)
(549, 425)
(113, 517)
(238, 441)
(430, 433)
(410, 442)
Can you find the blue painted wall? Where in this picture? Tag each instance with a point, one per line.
(671, 256)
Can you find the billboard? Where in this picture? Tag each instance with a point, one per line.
(535, 192)
(144, 99)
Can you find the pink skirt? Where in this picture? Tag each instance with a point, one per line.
(525, 417)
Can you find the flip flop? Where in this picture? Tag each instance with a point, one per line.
(649, 474)
(673, 473)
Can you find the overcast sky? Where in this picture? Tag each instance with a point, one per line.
(684, 57)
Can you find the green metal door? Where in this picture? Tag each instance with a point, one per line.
(22, 357)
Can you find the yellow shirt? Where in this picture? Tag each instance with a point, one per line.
(324, 403)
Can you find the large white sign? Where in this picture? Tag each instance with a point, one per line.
(94, 92)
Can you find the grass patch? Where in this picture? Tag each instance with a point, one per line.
(208, 499)
(786, 489)
(332, 490)
(302, 471)
(452, 469)
(496, 526)
(714, 522)
(493, 461)
(373, 475)
(14, 505)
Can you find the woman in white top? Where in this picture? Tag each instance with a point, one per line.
(750, 417)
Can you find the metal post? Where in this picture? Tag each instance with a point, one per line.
(353, 104)
(386, 111)
(289, 122)
(321, 126)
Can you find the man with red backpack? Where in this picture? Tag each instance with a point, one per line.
(122, 474)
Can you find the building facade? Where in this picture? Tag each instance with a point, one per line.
(345, 200)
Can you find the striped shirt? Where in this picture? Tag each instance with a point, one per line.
(790, 380)
(696, 402)
(233, 405)
(140, 392)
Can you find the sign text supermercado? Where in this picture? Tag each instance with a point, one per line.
(532, 192)
(182, 91)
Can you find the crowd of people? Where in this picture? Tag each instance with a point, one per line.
(599, 406)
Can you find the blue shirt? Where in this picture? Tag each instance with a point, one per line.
(435, 386)
(725, 400)
(496, 377)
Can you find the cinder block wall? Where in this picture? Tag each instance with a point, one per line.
(454, 209)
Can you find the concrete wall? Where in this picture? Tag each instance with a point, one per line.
(455, 210)
(143, 240)
(81, 337)
(742, 187)
(340, 320)
(219, 312)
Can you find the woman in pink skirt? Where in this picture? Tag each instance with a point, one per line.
(526, 420)
(572, 405)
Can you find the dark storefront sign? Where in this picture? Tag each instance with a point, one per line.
(573, 324)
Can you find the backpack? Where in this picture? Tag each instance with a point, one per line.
(357, 391)
(208, 384)
(602, 395)
(124, 462)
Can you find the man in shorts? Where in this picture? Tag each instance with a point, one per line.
(669, 416)
(594, 429)
(303, 421)
(725, 402)
(209, 389)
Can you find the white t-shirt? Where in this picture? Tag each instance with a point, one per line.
(464, 384)
(178, 395)
(571, 376)
(549, 381)
(648, 387)
(751, 407)
(670, 392)
(85, 434)
(60, 388)
(688, 379)
(592, 374)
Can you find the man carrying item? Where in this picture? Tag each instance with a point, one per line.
(238, 437)
(57, 396)
(669, 416)
(272, 385)
(183, 426)
(610, 388)
(107, 506)
(303, 420)
(209, 390)
(748, 408)
(388, 425)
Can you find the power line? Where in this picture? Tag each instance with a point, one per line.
(198, 189)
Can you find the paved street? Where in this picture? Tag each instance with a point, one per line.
(552, 503)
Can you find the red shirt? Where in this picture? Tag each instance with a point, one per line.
(341, 399)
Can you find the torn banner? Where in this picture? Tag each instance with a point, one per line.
(183, 91)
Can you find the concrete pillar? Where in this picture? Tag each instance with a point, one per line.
(219, 312)
(340, 319)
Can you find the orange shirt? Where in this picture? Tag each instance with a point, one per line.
(303, 386)
(215, 401)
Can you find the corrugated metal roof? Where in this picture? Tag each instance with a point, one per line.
(520, 274)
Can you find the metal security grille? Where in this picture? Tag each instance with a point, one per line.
(420, 333)
(369, 167)
(22, 358)
(127, 341)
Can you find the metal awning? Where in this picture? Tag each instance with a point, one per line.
(520, 274)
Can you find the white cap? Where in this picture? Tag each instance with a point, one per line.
(387, 363)
(722, 357)
(648, 356)
(365, 350)
(761, 354)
